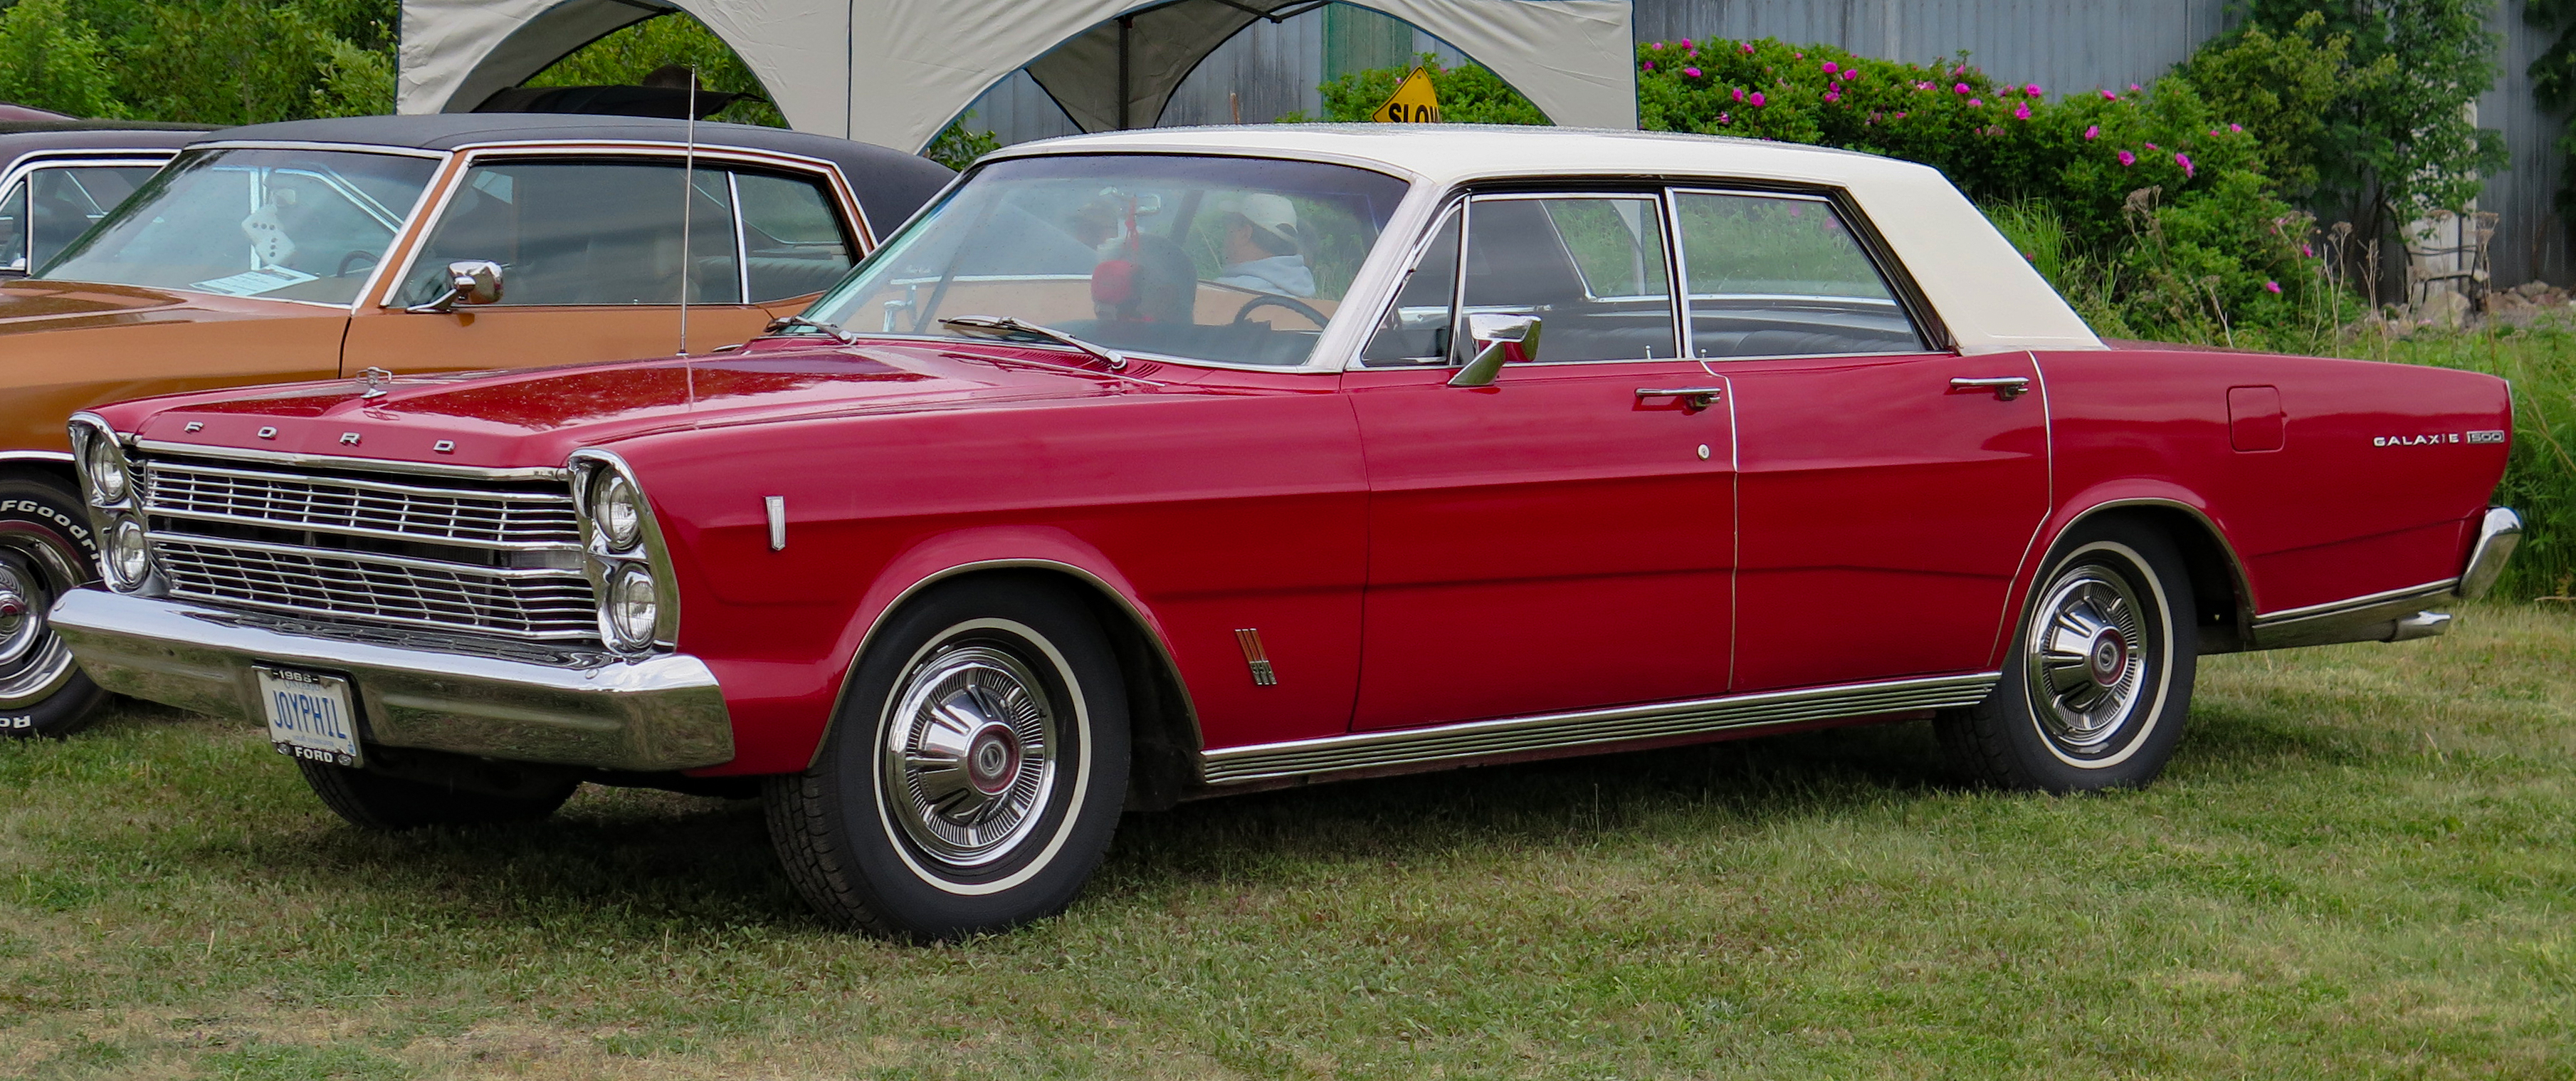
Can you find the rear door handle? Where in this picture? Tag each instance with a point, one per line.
(2006, 387)
(1693, 397)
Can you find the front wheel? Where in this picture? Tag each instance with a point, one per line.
(45, 550)
(975, 772)
(2099, 679)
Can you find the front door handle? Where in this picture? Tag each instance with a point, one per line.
(1692, 397)
(2006, 387)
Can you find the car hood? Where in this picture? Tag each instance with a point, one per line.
(536, 417)
(28, 306)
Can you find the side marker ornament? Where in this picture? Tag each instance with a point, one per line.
(1257, 656)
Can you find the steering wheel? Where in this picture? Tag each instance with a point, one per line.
(1243, 315)
(353, 256)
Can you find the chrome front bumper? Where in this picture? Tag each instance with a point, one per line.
(665, 713)
(2400, 614)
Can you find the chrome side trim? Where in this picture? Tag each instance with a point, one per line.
(335, 461)
(63, 457)
(1460, 743)
(665, 713)
(2378, 617)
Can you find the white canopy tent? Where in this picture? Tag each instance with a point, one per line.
(895, 72)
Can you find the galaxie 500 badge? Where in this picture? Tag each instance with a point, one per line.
(2491, 435)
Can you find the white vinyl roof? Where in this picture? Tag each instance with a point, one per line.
(1986, 293)
(895, 72)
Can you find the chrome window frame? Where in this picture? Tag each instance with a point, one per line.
(1651, 194)
(23, 170)
(426, 218)
(375, 276)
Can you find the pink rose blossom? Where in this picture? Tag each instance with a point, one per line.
(2235, 127)
(2307, 251)
(1977, 102)
(1832, 96)
(1691, 72)
(2127, 158)
(2022, 113)
(2094, 132)
(1961, 88)
(2032, 90)
(1849, 74)
(1831, 67)
(2152, 146)
(1647, 66)
(1748, 48)
(1755, 99)
(1686, 43)
(1798, 56)
(2184, 161)
(1659, 44)
(1739, 93)
(2133, 88)
(2109, 96)
(2273, 287)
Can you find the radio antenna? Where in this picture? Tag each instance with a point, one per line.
(688, 198)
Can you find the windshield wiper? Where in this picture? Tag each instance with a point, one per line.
(838, 334)
(1005, 328)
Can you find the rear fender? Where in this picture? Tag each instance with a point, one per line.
(2225, 607)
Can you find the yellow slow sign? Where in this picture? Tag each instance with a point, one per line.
(1413, 103)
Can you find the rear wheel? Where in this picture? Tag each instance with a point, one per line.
(975, 773)
(45, 549)
(2099, 679)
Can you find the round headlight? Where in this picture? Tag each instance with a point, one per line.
(128, 559)
(108, 479)
(628, 608)
(617, 509)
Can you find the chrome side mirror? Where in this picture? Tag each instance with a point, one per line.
(1498, 339)
(469, 281)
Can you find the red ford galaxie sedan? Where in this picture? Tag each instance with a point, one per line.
(1168, 464)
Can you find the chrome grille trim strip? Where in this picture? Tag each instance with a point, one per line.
(1511, 735)
(363, 465)
(197, 540)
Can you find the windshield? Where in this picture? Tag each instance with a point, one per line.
(1235, 260)
(290, 224)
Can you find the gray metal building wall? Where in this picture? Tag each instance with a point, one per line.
(2064, 46)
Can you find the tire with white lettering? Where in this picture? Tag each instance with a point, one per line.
(975, 772)
(2099, 678)
(45, 549)
(439, 790)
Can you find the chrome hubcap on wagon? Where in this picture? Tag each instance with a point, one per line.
(970, 755)
(33, 662)
(2088, 668)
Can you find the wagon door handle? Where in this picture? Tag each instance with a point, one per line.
(1691, 397)
(2006, 387)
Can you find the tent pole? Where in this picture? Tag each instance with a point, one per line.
(1126, 24)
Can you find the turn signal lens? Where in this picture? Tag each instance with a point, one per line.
(617, 510)
(108, 479)
(628, 609)
(128, 559)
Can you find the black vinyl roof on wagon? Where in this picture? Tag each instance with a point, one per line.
(890, 184)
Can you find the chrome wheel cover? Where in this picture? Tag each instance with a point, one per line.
(970, 755)
(34, 662)
(2087, 661)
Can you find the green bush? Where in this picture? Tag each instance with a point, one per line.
(1469, 94)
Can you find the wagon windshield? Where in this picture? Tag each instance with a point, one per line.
(1232, 260)
(290, 224)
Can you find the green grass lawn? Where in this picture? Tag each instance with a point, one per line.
(2362, 864)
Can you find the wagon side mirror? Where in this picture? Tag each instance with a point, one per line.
(1498, 338)
(469, 281)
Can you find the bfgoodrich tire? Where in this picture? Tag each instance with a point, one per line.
(2099, 678)
(975, 773)
(45, 549)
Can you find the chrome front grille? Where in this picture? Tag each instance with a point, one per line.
(466, 555)
(385, 508)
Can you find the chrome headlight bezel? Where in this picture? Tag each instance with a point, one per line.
(609, 561)
(125, 554)
(97, 450)
(616, 509)
(629, 608)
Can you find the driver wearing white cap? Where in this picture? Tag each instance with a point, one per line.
(1261, 247)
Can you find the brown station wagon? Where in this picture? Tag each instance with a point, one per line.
(324, 248)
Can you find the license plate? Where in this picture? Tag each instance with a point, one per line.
(309, 715)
